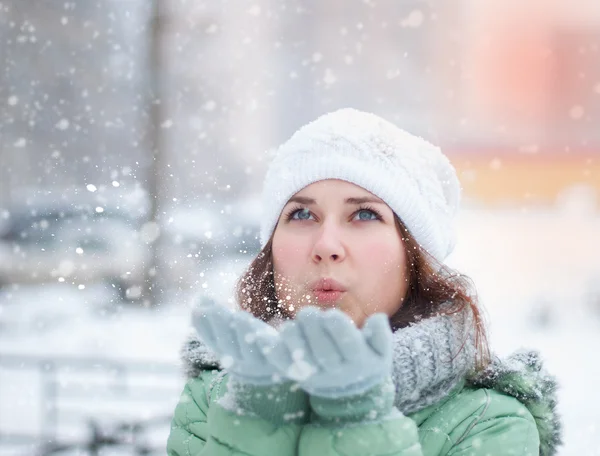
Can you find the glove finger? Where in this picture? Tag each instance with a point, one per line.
(300, 362)
(204, 329)
(222, 327)
(208, 308)
(247, 330)
(346, 336)
(295, 341)
(275, 351)
(378, 334)
(322, 346)
(206, 302)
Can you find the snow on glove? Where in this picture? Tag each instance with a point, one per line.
(254, 386)
(232, 336)
(329, 356)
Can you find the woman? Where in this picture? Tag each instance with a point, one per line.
(354, 338)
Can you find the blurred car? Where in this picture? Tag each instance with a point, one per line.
(197, 238)
(244, 226)
(78, 239)
(190, 239)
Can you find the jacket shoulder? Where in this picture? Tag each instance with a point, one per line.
(495, 423)
(197, 395)
(479, 418)
(523, 376)
(189, 425)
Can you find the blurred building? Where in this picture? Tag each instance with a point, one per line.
(523, 105)
(511, 90)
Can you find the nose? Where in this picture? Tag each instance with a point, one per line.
(328, 245)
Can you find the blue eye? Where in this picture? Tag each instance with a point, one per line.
(367, 214)
(363, 214)
(303, 214)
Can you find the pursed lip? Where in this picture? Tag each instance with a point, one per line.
(327, 284)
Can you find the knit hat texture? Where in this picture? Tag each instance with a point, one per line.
(414, 178)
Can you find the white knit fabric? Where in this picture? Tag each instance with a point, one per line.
(411, 175)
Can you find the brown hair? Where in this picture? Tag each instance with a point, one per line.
(431, 286)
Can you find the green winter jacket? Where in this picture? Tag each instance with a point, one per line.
(505, 410)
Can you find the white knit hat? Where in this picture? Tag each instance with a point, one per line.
(411, 175)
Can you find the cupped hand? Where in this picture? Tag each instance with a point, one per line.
(234, 337)
(329, 356)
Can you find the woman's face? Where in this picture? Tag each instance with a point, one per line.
(337, 245)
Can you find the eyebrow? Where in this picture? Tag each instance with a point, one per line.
(361, 200)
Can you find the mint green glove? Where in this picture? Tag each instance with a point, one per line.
(329, 356)
(372, 405)
(232, 336)
(254, 386)
(280, 403)
(345, 370)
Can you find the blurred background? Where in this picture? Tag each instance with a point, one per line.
(134, 135)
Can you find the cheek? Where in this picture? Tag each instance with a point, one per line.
(384, 256)
(383, 267)
(289, 259)
(288, 255)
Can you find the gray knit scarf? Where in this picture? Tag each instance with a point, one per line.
(431, 357)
